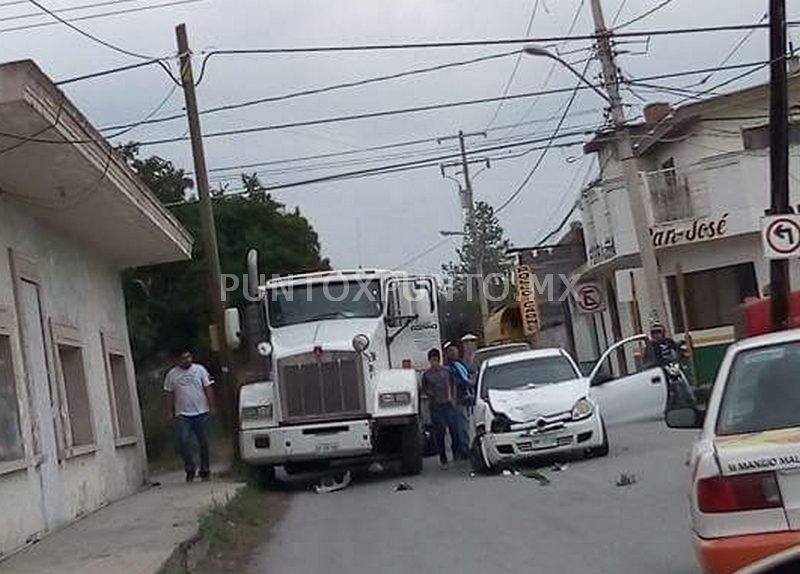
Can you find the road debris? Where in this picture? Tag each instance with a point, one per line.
(558, 467)
(626, 479)
(402, 487)
(507, 472)
(329, 484)
(536, 475)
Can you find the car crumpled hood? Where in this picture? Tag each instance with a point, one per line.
(524, 405)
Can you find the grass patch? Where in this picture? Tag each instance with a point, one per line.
(232, 531)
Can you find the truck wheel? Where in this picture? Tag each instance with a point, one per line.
(266, 476)
(478, 459)
(412, 449)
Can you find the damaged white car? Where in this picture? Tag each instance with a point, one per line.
(535, 403)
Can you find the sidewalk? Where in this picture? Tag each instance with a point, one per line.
(135, 535)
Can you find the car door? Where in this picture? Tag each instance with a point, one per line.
(636, 397)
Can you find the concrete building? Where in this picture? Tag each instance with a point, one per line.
(72, 215)
(705, 177)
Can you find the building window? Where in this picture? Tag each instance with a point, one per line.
(77, 394)
(123, 405)
(758, 138)
(10, 435)
(712, 295)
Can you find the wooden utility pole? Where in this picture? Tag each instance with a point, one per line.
(779, 156)
(208, 230)
(627, 159)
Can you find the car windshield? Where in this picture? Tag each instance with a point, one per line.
(762, 392)
(486, 353)
(527, 373)
(323, 301)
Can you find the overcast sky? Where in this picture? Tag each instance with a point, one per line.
(379, 221)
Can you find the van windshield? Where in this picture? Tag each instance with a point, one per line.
(324, 301)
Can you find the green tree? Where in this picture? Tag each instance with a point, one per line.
(460, 309)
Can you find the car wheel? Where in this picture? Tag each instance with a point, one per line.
(478, 460)
(603, 449)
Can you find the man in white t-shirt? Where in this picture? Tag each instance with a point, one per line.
(190, 399)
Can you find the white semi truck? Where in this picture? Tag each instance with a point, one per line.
(342, 352)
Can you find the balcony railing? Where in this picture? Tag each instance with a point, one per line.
(670, 194)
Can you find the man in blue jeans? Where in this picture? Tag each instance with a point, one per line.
(464, 395)
(436, 384)
(190, 400)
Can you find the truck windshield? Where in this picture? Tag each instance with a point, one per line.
(324, 301)
(527, 373)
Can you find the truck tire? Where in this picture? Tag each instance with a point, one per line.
(265, 474)
(412, 449)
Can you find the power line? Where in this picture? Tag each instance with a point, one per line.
(61, 10)
(99, 15)
(330, 88)
(413, 110)
(481, 43)
(552, 138)
(86, 34)
(422, 254)
(108, 72)
(647, 14)
(516, 66)
(554, 65)
(619, 12)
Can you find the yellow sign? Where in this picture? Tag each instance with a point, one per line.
(526, 296)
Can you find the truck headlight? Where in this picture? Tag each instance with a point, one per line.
(360, 343)
(260, 412)
(582, 409)
(400, 399)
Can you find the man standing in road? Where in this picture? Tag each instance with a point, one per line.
(436, 384)
(190, 400)
(464, 395)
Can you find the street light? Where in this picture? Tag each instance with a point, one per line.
(533, 50)
(625, 155)
(453, 233)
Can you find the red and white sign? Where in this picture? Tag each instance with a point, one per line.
(589, 298)
(780, 235)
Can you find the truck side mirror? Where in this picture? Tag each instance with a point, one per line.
(233, 328)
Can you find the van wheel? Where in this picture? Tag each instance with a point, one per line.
(412, 449)
(477, 458)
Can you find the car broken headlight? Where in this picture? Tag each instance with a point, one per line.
(501, 424)
(582, 409)
(260, 412)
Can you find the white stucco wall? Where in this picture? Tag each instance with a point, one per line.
(84, 291)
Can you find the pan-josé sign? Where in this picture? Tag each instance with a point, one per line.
(695, 231)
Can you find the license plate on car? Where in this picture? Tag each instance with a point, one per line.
(544, 442)
(327, 447)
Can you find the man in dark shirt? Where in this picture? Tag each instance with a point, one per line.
(437, 385)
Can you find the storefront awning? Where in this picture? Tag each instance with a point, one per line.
(59, 168)
(629, 261)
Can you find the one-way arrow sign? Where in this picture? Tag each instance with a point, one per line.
(781, 236)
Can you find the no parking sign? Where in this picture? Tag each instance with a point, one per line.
(589, 298)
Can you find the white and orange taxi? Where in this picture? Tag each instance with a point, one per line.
(745, 466)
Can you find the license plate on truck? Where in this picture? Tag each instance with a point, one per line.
(327, 447)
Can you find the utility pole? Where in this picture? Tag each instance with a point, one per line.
(472, 225)
(779, 156)
(629, 166)
(208, 230)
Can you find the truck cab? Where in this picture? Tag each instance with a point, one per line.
(344, 352)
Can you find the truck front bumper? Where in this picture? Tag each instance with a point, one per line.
(330, 440)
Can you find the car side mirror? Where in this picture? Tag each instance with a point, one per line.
(685, 418)
(602, 379)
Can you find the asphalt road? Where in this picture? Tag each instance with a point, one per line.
(581, 522)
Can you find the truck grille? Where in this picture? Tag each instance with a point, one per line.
(321, 386)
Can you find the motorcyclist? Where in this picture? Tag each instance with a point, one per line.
(660, 350)
(665, 353)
